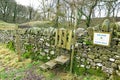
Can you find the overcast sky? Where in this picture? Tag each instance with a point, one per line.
(34, 3)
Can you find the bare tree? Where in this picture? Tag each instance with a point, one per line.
(86, 8)
(14, 12)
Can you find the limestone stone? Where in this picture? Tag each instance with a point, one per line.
(104, 58)
(97, 55)
(99, 64)
(107, 64)
(48, 58)
(106, 25)
(104, 69)
(51, 64)
(118, 50)
(117, 61)
(84, 55)
(83, 59)
(42, 53)
(47, 44)
(90, 32)
(101, 52)
(88, 66)
(119, 67)
(88, 49)
(91, 56)
(46, 50)
(114, 53)
(111, 59)
(114, 65)
(77, 57)
(111, 77)
(93, 67)
(93, 64)
(108, 70)
(97, 60)
(52, 52)
(62, 59)
(76, 45)
(89, 60)
(82, 66)
(116, 57)
(80, 32)
(118, 72)
(44, 67)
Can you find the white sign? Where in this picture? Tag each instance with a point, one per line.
(101, 38)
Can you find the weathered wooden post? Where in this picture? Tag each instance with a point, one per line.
(74, 40)
(18, 45)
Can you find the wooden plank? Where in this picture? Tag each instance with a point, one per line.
(56, 37)
(44, 67)
(60, 38)
(62, 59)
(51, 64)
(69, 39)
(63, 43)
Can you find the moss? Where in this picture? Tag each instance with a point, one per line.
(11, 45)
(115, 77)
(96, 72)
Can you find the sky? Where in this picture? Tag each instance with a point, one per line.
(34, 3)
(37, 4)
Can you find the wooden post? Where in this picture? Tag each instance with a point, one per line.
(74, 40)
(68, 42)
(18, 49)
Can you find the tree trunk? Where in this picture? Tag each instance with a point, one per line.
(15, 13)
(57, 16)
(30, 13)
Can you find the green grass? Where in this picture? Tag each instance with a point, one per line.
(7, 26)
(16, 74)
(38, 24)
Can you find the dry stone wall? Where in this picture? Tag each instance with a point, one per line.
(93, 56)
(87, 55)
(6, 36)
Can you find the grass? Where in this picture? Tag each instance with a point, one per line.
(17, 71)
(14, 74)
(9, 65)
(38, 24)
(7, 26)
(31, 70)
(11, 69)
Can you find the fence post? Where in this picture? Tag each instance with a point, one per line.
(18, 45)
(74, 40)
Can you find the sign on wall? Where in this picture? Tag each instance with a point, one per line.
(102, 38)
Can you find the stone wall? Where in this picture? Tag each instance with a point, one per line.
(104, 58)
(93, 56)
(6, 36)
(87, 55)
